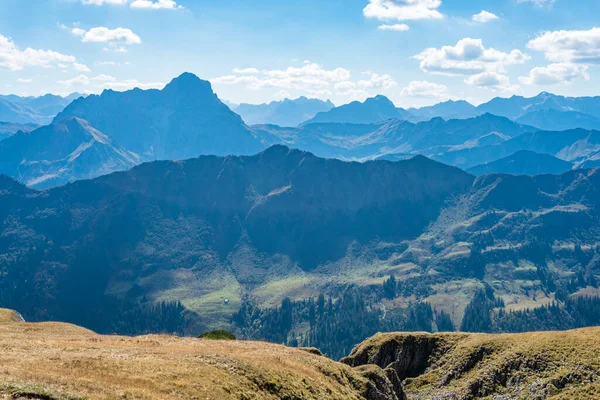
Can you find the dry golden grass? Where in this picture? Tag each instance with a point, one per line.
(8, 316)
(62, 361)
(537, 365)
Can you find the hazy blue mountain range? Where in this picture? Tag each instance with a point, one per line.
(186, 119)
(285, 223)
(448, 110)
(372, 110)
(33, 110)
(517, 106)
(283, 113)
(183, 120)
(524, 162)
(576, 146)
(369, 141)
(62, 152)
(8, 128)
(555, 120)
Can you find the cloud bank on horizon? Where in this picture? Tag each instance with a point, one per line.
(416, 52)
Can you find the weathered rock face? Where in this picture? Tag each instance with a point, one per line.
(537, 365)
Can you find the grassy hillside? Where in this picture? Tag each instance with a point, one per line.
(542, 365)
(62, 361)
(55, 361)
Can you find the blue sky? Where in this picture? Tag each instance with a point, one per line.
(416, 52)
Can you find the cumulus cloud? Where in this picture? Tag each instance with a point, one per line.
(246, 71)
(483, 67)
(403, 10)
(140, 4)
(21, 80)
(576, 46)
(394, 27)
(102, 81)
(15, 59)
(102, 34)
(81, 67)
(467, 57)
(311, 79)
(556, 73)
(485, 16)
(424, 89)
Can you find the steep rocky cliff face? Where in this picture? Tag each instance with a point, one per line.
(543, 365)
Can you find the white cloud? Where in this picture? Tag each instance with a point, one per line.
(102, 34)
(15, 59)
(140, 4)
(581, 47)
(156, 5)
(246, 71)
(81, 67)
(80, 80)
(424, 89)
(555, 73)
(493, 80)
(539, 3)
(395, 27)
(485, 16)
(102, 2)
(21, 80)
(467, 57)
(403, 10)
(310, 79)
(102, 81)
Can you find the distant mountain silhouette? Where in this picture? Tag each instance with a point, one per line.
(65, 151)
(394, 136)
(36, 110)
(575, 146)
(447, 110)
(283, 113)
(372, 110)
(517, 106)
(184, 120)
(8, 129)
(524, 162)
(559, 120)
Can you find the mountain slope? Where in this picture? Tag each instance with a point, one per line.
(524, 163)
(18, 114)
(8, 129)
(62, 152)
(447, 110)
(283, 113)
(465, 366)
(555, 120)
(372, 110)
(227, 224)
(517, 106)
(37, 110)
(575, 146)
(183, 120)
(37, 366)
(371, 141)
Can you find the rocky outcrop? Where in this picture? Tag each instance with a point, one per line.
(536, 365)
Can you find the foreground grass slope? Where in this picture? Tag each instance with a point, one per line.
(540, 365)
(63, 361)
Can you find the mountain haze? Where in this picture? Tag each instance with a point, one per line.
(372, 110)
(283, 113)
